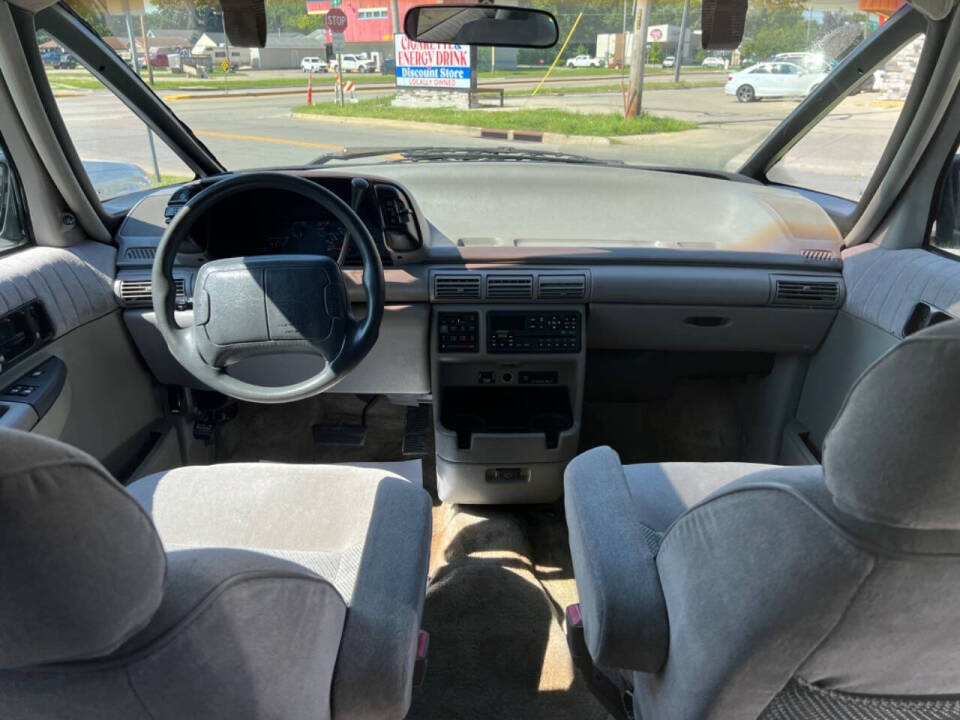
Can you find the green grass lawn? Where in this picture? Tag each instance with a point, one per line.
(561, 71)
(543, 120)
(606, 87)
(235, 81)
(166, 179)
(165, 81)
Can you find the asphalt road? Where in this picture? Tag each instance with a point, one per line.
(245, 131)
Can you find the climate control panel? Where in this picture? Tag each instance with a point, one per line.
(457, 332)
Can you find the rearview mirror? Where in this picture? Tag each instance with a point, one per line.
(481, 25)
(722, 23)
(245, 22)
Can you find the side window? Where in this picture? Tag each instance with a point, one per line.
(945, 234)
(838, 156)
(118, 151)
(13, 230)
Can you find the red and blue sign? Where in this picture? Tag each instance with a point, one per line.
(432, 65)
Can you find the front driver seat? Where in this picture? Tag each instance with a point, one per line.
(736, 591)
(230, 591)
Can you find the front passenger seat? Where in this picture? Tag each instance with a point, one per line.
(243, 591)
(726, 590)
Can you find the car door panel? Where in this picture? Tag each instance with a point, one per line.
(884, 290)
(761, 81)
(107, 399)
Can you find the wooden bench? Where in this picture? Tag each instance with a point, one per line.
(487, 91)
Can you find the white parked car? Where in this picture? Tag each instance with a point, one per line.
(584, 61)
(355, 63)
(714, 62)
(772, 79)
(669, 61)
(808, 60)
(313, 64)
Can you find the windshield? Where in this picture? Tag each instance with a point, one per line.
(282, 104)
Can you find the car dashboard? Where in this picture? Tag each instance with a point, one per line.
(503, 281)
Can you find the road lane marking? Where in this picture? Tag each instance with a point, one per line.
(270, 140)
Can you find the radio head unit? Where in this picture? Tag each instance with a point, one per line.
(533, 331)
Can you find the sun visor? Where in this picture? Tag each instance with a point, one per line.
(722, 23)
(33, 6)
(245, 22)
(936, 10)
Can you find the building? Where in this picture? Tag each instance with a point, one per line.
(369, 24)
(168, 41)
(286, 50)
(214, 44)
(619, 46)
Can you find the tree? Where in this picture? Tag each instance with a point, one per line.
(775, 26)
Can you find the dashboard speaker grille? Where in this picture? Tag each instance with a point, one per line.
(456, 287)
(509, 287)
(818, 254)
(562, 287)
(807, 293)
(140, 292)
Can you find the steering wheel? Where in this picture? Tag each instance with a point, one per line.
(249, 306)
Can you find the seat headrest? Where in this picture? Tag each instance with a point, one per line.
(893, 453)
(81, 564)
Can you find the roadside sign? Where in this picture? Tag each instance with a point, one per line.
(336, 21)
(432, 65)
(339, 45)
(224, 66)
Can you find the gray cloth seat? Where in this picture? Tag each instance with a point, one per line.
(230, 591)
(732, 590)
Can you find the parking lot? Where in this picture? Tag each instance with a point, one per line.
(257, 130)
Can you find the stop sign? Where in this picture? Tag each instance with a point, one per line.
(336, 20)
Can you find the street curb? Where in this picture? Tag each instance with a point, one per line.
(384, 122)
(468, 130)
(68, 94)
(242, 93)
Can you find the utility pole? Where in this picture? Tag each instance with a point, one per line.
(128, 20)
(683, 33)
(395, 15)
(638, 56)
(146, 46)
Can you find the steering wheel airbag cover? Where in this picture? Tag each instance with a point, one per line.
(275, 303)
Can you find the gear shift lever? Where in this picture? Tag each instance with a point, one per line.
(358, 187)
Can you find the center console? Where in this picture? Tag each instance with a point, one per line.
(507, 387)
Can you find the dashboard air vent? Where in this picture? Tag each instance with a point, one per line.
(509, 287)
(806, 293)
(456, 287)
(562, 287)
(139, 292)
(140, 253)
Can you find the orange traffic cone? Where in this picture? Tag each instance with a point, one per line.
(310, 89)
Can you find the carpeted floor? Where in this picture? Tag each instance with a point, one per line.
(283, 433)
(500, 578)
